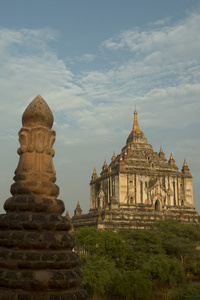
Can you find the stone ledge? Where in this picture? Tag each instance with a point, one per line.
(37, 259)
(34, 222)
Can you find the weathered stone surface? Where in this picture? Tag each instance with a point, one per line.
(33, 204)
(37, 113)
(36, 258)
(74, 294)
(34, 222)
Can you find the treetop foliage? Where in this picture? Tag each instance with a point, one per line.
(134, 263)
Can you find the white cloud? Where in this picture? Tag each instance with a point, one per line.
(168, 44)
(160, 22)
(87, 57)
(157, 69)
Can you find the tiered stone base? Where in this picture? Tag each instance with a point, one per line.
(36, 257)
(18, 295)
(135, 218)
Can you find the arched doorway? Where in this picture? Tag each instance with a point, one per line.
(157, 205)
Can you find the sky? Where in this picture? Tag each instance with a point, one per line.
(93, 62)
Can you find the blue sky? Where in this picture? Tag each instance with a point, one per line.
(93, 61)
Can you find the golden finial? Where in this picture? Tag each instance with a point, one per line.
(125, 152)
(135, 124)
(105, 166)
(185, 169)
(161, 153)
(114, 156)
(94, 174)
(121, 159)
(171, 157)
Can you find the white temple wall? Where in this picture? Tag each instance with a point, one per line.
(145, 184)
(123, 188)
(137, 196)
(188, 191)
(170, 188)
(117, 187)
(92, 196)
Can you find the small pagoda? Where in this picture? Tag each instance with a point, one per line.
(36, 257)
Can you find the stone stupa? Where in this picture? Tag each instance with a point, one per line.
(36, 257)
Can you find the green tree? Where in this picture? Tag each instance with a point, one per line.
(144, 244)
(132, 285)
(98, 275)
(132, 263)
(170, 227)
(164, 271)
(190, 291)
(106, 244)
(181, 241)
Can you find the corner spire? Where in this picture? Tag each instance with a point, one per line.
(94, 174)
(78, 210)
(105, 166)
(171, 161)
(185, 169)
(135, 124)
(114, 156)
(161, 153)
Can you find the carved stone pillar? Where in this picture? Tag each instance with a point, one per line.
(36, 258)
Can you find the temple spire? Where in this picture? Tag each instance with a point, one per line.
(136, 136)
(185, 169)
(78, 210)
(114, 156)
(135, 124)
(161, 153)
(94, 174)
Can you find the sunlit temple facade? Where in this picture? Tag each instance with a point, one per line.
(138, 187)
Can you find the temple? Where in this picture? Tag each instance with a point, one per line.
(138, 187)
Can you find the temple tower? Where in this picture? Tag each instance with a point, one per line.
(36, 258)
